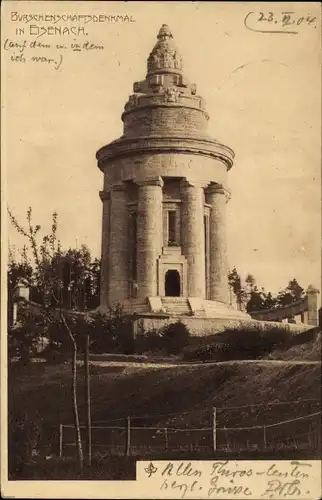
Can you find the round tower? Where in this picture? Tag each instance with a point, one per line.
(164, 199)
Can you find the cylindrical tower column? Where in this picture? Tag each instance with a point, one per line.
(118, 289)
(218, 197)
(193, 239)
(149, 234)
(106, 199)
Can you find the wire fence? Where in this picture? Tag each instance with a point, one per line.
(300, 433)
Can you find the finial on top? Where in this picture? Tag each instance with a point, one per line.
(164, 32)
(164, 55)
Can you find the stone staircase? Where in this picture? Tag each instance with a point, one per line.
(177, 306)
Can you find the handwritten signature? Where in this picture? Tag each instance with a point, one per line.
(284, 23)
(230, 478)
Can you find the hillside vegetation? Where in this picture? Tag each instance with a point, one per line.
(245, 393)
(190, 390)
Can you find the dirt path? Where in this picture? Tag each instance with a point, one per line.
(262, 362)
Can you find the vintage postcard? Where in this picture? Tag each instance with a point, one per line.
(161, 214)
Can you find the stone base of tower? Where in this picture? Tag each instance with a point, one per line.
(202, 317)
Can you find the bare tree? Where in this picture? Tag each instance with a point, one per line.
(47, 278)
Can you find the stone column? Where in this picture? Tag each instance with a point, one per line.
(106, 199)
(217, 198)
(149, 235)
(118, 289)
(193, 237)
(313, 305)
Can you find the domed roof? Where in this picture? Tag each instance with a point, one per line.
(164, 56)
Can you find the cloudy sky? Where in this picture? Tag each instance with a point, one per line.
(263, 96)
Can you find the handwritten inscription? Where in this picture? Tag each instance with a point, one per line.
(287, 22)
(25, 46)
(175, 478)
(221, 470)
(233, 479)
(23, 51)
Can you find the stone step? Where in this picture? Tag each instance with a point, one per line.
(172, 300)
(176, 305)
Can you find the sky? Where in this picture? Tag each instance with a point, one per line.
(263, 94)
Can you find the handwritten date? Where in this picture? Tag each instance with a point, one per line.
(287, 22)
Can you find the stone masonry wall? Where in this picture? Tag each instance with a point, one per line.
(165, 120)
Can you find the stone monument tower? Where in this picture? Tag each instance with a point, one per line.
(164, 200)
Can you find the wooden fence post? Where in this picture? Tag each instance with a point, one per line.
(60, 440)
(190, 443)
(166, 443)
(88, 402)
(214, 429)
(264, 437)
(128, 437)
(227, 441)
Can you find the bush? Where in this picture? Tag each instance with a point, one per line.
(24, 439)
(175, 337)
(23, 341)
(111, 332)
(169, 340)
(149, 342)
(251, 342)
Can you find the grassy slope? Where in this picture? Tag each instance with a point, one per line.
(188, 392)
(310, 350)
(175, 395)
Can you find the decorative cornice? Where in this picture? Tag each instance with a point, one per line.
(148, 144)
(105, 195)
(153, 181)
(219, 189)
(188, 183)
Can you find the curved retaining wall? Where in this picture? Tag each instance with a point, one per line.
(305, 311)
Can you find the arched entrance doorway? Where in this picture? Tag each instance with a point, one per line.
(172, 283)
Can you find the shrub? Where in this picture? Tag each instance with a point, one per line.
(150, 341)
(58, 338)
(175, 337)
(111, 332)
(23, 341)
(24, 439)
(250, 342)
(199, 353)
(170, 339)
(277, 337)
